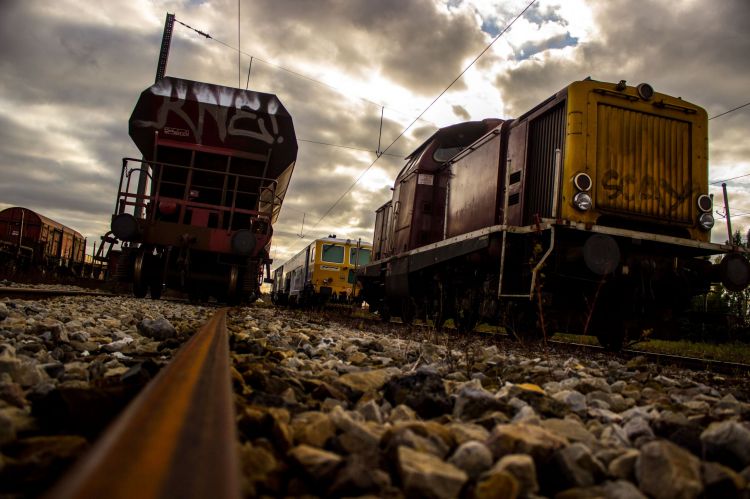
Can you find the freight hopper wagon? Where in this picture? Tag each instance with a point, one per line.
(216, 165)
(590, 212)
(324, 271)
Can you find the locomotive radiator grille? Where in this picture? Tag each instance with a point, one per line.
(546, 134)
(643, 164)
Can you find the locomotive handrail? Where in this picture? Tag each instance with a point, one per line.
(128, 198)
(198, 169)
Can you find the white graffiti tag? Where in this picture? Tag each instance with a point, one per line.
(215, 103)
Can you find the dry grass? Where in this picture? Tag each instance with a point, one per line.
(726, 352)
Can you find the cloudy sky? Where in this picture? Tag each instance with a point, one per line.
(71, 72)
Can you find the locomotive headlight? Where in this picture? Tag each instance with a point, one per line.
(582, 201)
(243, 242)
(582, 181)
(705, 203)
(706, 221)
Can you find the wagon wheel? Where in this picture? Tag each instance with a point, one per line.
(408, 310)
(608, 320)
(155, 284)
(466, 314)
(438, 309)
(140, 275)
(233, 295)
(522, 320)
(156, 288)
(385, 312)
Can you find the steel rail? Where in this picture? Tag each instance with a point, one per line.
(657, 358)
(176, 439)
(22, 293)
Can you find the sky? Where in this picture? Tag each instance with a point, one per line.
(72, 70)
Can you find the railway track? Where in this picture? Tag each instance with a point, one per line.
(176, 439)
(41, 293)
(179, 437)
(661, 359)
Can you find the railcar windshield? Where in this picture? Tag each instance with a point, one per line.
(332, 253)
(364, 256)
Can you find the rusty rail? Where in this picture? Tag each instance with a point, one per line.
(176, 439)
(41, 293)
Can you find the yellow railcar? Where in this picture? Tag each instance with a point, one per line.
(324, 271)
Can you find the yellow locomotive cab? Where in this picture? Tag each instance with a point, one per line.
(324, 271)
(646, 159)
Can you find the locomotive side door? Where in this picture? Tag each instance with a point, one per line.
(403, 212)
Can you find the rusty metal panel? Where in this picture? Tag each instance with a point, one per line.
(214, 118)
(643, 164)
(517, 157)
(546, 134)
(382, 223)
(474, 194)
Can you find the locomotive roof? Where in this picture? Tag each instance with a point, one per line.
(454, 134)
(343, 241)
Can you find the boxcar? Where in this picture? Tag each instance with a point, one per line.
(30, 239)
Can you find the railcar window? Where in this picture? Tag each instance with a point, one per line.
(364, 256)
(445, 153)
(332, 253)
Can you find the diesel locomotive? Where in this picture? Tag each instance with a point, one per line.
(323, 272)
(196, 212)
(590, 212)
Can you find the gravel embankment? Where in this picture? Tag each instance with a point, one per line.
(331, 410)
(334, 411)
(67, 367)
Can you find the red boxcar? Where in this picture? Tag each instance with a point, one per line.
(32, 239)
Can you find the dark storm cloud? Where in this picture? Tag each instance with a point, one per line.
(461, 112)
(530, 49)
(71, 72)
(696, 50)
(412, 43)
(682, 48)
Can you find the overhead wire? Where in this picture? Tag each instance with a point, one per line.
(348, 147)
(729, 179)
(730, 111)
(364, 172)
(290, 71)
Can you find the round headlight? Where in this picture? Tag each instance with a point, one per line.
(582, 181)
(706, 221)
(705, 203)
(243, 242)
(582, 201)
(646, 91)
